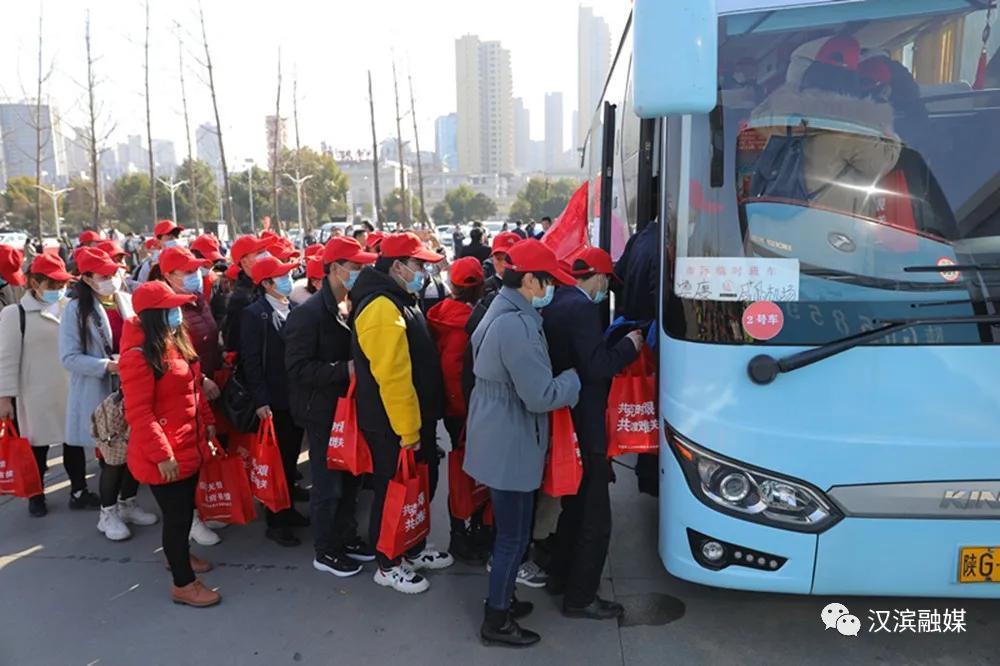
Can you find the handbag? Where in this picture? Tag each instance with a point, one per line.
(347, 449)
(563, 465)
(631, 419)
(109, 428)
(406, 516)
(19, 475)
(223, 491)
(237, 401)
(267, 475)
(465, 494)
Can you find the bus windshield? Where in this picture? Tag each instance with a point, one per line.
(849, 176)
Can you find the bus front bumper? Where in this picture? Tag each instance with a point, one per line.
(857, 556)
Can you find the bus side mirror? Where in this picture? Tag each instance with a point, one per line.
(674, 57)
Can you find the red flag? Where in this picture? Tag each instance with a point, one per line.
(569, 231)
(980, 82)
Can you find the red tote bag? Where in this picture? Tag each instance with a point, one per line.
(631, 418)
(563, 466)
(267, 476)
(223, 492)
(18, 470)
(348, 450)
(406, 516)
(465, 494)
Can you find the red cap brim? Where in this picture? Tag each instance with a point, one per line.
(562, 277)
(427, 255)
(175, 301)
(18, 279)
(363, 258)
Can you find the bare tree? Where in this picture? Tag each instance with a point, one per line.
(376, 211)
(38, 130)
(149, 128)
(416, 141)
(403, 217)
(192, 178)
(275, 150)
(228, 204)
(298, 149)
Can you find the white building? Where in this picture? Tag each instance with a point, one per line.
(522, 136)
(164, 156)
(18, 123)
(593, 64)
(485, 106)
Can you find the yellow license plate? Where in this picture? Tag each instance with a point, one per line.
(980, 564)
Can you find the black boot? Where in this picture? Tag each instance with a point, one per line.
(462, 548)
(499, 628)
(519, 609)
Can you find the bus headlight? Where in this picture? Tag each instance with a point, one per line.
(750, 493)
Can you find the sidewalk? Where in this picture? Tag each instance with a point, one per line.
(70, 597)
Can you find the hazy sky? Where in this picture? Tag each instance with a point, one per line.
(330, 44)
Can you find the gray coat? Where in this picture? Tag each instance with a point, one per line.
(507, 432)
(89, 381)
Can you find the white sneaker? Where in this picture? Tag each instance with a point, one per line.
(402, 579)
(201, 534)
(110, 524)
(215, 524)
(130, 512)
(430, 558)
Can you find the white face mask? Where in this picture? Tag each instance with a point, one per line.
(108, 286)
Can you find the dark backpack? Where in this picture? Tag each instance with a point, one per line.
(780, 170)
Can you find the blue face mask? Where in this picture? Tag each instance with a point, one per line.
(539, 303)
(600, 296)
(170, 243)
(352, 277)
(154, 256)
(174, 318)
(192, 282)
(417, 283)
(51, 296)
(283, 285)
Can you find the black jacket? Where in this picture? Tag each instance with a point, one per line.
(477, 250)
(425, 363)
(262, 356)
(317, 352)
(639, 269)
(493, 286)
(572, 325)
(244, 293)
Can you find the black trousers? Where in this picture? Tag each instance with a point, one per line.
(333, 500)
(385, 458)
(176, 502)
(584, 533)
(116, 481)
(74, 460)
(290, 444)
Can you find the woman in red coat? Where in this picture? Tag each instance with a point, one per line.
(170, 423)
(447, 321)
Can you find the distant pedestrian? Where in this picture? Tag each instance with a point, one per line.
(166, 234)
(476, 248)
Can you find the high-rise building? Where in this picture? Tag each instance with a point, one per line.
(553, 131)
(18, 123)
(281, 127)
(446, 140)
(138, 156)
(522, 136)
(207, 140)
(593, 64)
(77, 154)
(164, 156)
(485, 106)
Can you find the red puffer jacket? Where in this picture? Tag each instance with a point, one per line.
(166, 415)
(447, 323)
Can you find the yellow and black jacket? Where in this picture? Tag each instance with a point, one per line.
(399, 385)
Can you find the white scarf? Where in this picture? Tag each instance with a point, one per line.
(280, 308)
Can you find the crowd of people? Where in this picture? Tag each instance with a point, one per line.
(489, 343)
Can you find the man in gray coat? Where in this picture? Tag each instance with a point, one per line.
(507, 432)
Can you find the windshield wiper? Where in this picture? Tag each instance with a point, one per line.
(763, 368)
(951, 268)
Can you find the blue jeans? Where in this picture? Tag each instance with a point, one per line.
(512, 516)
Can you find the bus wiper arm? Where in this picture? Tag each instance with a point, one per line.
(764, 368)
(951, 268)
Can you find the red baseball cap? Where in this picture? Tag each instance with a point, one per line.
(466, 272)
(283, 249)
(374, 239)
(270, 267)
(245, 245)
(267, 233)
(156, 295)
(95, 260)
(232, 272)
(11, 261)
(877, 72)
(345, 248)
(314, 269)
(840, 51)
(208, 246)
(531, 255)
(592, 260)
(151, 243)
(90, 236)
(407, 245)
(316, 249)
(52, 267)
(166, 227)
(180, 259)
(113, 249)
(503, 241)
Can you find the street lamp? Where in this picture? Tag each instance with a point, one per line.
(172, 186)
(55, 194)
(250, 164)
(298, 195)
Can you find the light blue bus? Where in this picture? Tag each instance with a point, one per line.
(829, 198)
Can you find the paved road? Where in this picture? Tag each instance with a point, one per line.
(70, 597)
